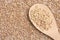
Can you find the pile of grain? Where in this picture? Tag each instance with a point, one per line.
(41, 16)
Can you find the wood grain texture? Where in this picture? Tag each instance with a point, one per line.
(14, 20)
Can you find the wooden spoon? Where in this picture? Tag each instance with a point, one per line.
(42, 18)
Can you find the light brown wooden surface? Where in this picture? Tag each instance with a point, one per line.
(14, 20)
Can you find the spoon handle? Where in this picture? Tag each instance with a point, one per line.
(56, 36)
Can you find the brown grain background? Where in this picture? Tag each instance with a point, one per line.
(14, 20)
